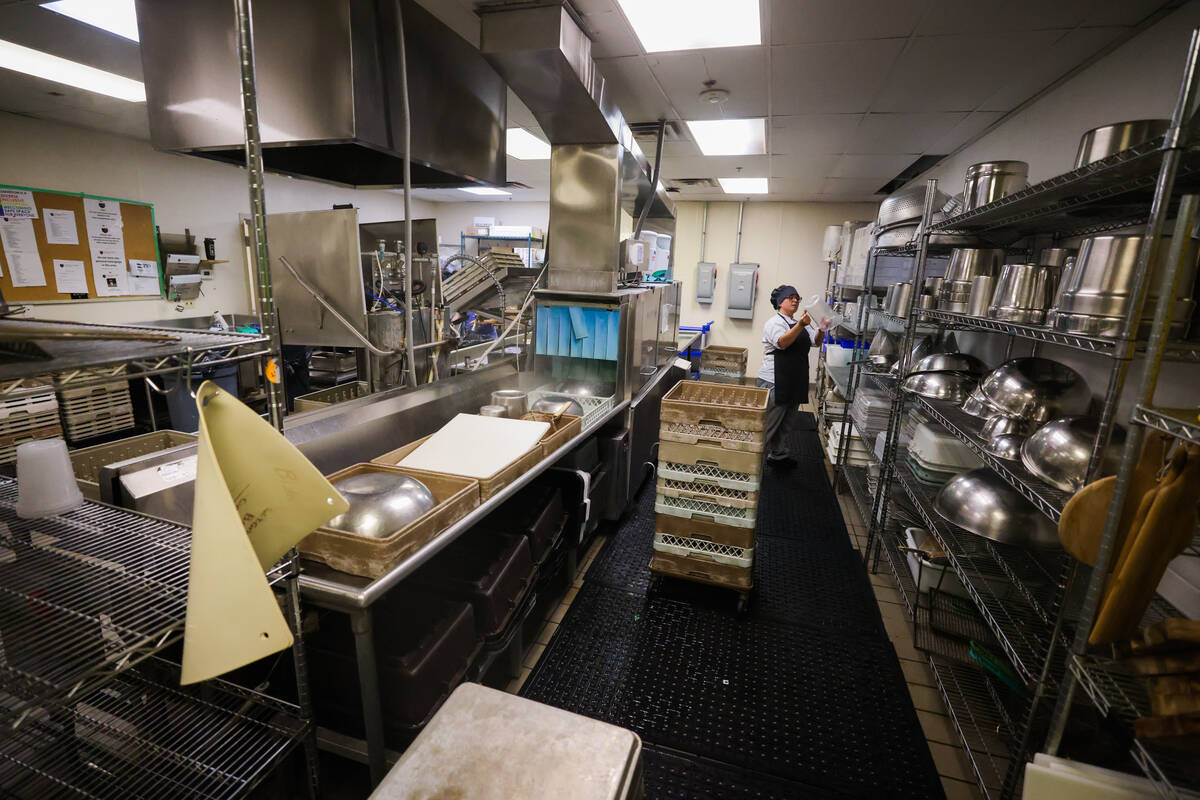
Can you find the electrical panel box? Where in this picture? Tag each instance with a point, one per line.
(706, 281)
(743, 280)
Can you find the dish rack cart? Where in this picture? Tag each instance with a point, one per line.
(707, 485)
(1015, 696)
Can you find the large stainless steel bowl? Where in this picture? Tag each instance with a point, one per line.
(1059, 451)
(1002, 425)
(949, 362)
(381, 503)
(982, 503)
(1036, 388)
(952, 386)
(905, 206)
(1007, 446)
(1102, 142)
(979, 406)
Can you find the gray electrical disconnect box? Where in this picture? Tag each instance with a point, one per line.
(706, 281)
(743, 278)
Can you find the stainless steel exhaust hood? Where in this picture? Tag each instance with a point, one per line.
(328, 90)
(597, 171)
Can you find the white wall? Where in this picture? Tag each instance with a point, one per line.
(186, 191)
(784, 239)
(1138, 80)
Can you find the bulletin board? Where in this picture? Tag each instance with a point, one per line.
(61, 246)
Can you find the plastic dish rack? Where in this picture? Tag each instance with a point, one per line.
(705, 550)
(26, 417)
(734, 498)
(704, 473)
(593, 407)
(96, 410)
(695, 433)
(690, 509)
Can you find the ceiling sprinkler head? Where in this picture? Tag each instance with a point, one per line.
(712, 94)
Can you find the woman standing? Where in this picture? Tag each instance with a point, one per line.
(784, 370)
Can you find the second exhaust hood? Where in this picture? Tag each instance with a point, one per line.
(328, 90)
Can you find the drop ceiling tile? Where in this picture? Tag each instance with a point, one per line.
(811, 134)
(716, 167)
(901, 133)
(612, 35)
(972, 126)
(987, 16)
(798, 21)
(1033, 75)
(879, 168)
(803, 166)
(1126, 12)
(634, 89)
(742, 71)
(826, 79)
(858, 187)
(798, 185)
(948, 73)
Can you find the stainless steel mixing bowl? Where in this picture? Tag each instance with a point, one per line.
(949, 362)
(979, 406)
(953, 386)
(982, 503)
(1002, 424)
(551, 403)
(1059, 452)
(381, 503)
(1106, 140)
(1007, 446)
(1036, 388)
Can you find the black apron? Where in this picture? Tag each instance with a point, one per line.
(791, 370)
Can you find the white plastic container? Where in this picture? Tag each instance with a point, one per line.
(45, 479)
(822, 315)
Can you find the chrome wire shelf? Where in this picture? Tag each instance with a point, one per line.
(972, 701)
(1116, 692)
(1046, 498)
(856, 478)
(1008, 587)
(85, 595)
(1111, 193)
(1182, 423)
(93, 360)
(143, 736)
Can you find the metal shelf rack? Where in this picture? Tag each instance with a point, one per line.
(90, 359)
(1182, 423)
(141, 736)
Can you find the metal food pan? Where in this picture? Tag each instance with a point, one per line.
(88, 461)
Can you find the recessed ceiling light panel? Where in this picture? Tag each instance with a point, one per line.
(114, 16)
(488, 190)
(743, 185)
(60, 70)
(524, 145)
(663, 25)
(730, 137)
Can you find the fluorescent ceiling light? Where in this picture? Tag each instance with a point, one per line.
(693, 24)
(60, 70)
(114, 16)
(482, 190)
(524, 145)
(730, 137)
(743, 185)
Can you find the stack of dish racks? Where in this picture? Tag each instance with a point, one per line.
(720, 364)
(711, 442)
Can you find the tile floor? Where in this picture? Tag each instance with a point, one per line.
(953, 767)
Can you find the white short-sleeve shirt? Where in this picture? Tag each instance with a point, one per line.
(776, 326)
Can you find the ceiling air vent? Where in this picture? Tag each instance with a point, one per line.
(648, 131)
(691, 183)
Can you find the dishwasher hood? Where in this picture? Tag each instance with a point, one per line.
(328, 91)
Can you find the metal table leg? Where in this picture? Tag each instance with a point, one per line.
(368, 681)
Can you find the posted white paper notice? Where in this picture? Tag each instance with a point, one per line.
(110, 281)
(69, 276)
(144, 285)
(143, 268)
(21, 251)
(102, 212)
(17, 204)
(60, 226)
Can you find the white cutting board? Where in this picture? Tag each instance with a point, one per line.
(475, 446)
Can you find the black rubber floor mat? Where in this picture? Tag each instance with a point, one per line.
(800, 583)
(805, 422)
(672, 775)
(794, 701)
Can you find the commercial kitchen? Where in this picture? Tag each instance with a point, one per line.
(599, 399)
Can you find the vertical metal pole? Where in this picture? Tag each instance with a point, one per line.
(362, 624)
(737, 248)
(274, 369)
(409, 250)
(258, 212)
(704, 232)
(1174, 141)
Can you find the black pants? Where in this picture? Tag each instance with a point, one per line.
(780, 420)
